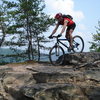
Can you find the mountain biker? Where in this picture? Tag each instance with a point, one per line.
(65, 22)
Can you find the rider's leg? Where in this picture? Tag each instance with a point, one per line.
(67, 35)
(70, 37)
(69, 32)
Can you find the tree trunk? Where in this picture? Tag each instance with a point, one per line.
(38, 48)
(3, 36)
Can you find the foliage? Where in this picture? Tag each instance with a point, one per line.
(3, 23)
(26, 25)
(95, 45)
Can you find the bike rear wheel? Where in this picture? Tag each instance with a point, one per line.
(56, 55)
(78, 44)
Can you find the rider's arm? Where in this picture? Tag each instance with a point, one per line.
(55, 29)
(64, 26)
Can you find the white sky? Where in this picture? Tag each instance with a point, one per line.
(63, 6)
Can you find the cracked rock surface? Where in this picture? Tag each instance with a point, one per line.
(77, 79)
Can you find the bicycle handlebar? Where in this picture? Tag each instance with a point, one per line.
(54, 37)
(58, 37)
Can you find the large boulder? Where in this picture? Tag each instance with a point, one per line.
(81, 58)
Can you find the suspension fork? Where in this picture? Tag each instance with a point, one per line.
(57, 49)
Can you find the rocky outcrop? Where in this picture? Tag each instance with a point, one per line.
(78, 79)
(82, 58)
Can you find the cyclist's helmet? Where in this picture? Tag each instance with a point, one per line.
(58, 15)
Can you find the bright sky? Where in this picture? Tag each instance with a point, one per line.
(86, 14)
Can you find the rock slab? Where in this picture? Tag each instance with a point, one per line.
(78, 79)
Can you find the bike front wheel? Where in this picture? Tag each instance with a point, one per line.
(78, 44)
(56, 55)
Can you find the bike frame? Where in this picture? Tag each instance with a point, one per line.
(59, 41)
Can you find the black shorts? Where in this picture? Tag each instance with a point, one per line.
(71, 27)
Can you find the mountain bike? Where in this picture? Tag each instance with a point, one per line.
(57, 53)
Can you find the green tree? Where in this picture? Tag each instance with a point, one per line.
(6, 28)
(28, 22)
(3, 22)
(95, 45)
